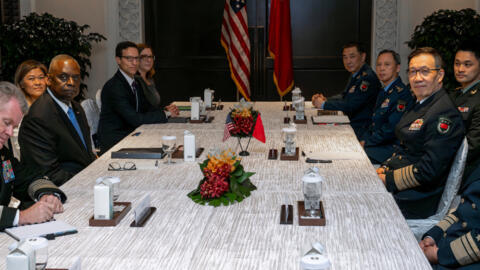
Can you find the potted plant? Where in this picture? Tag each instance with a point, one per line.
(41, 37)
(445, 30)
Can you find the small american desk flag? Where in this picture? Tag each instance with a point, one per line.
(228, 128)
(236, 42)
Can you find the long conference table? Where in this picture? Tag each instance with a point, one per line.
(364, 227)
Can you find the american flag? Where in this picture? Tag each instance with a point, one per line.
(236, 43)
(228, 127)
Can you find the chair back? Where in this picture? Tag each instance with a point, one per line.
(453, 181)
(93, 114)
(98, 99)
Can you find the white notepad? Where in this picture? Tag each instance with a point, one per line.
(48, 229)
(330, 119)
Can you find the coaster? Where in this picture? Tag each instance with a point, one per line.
(304, 121)
(310, 221)
(117, 216)
(179, 152)
(145, 218)
(326, 112)
(202, 120)
(213, 108)
(273, 154)
(283, 156)
(287, 220)
(286, 120)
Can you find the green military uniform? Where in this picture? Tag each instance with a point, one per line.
(16, 181)
(468, 103)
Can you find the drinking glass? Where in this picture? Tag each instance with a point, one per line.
(169, 144)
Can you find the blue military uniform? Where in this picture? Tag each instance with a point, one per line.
(457, 236)
(468, 103)
(391, 103)
(430, 134)
(358, 99)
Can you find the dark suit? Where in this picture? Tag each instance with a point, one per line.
(468, 104)
(49, 141)
(430, 134)
(22, 183)
(119, 115)
(358, 99)
(457, 236)
(389, 108)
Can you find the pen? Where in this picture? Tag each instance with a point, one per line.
(309, 160)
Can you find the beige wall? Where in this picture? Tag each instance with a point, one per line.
(412, 13)
(91, 12)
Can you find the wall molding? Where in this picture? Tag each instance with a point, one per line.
(385, 27)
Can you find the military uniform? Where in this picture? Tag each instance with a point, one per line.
(358, 99)
(468, 104)
(430, 134)
(457, 236)
(15, 180)
(391, 103)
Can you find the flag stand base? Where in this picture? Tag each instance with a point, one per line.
(244, 152)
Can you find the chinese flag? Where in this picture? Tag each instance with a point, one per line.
(258, 130)
(280, 45)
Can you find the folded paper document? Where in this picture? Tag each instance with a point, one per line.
(49, 230)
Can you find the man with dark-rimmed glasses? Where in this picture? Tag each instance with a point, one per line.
(430, 133)
(124, 104)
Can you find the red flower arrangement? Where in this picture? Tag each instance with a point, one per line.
(243, 122)
(224, 181)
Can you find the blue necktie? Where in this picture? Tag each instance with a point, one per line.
(73, 119)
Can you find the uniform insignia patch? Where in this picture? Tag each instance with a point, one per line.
(385, 103)
(416, 125)
(401, 106)
(358, 77)
(7, 171)
(444, 125)
(390, 91)
(364, 86)
(463, 109)
(399, 88)
(473, 92)
(352, 89)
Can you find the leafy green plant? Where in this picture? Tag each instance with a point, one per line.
(445, 30)
(41, 37)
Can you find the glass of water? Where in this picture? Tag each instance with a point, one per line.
(169, 144)
(312, 191)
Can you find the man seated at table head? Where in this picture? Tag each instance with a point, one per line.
(467, 99)
(124, 105)
(430, 133)
(54, 135)
(16, 180)
(392, 101)
(358, 99)
(454, 243)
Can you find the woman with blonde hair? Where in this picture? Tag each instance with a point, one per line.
(146, 72)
